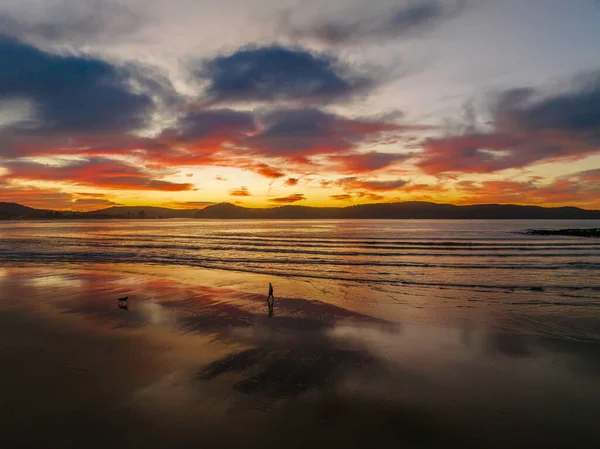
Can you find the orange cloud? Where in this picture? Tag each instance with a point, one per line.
(242, 191)
(575, 189)
(354, 183)
(375, 197)
(341, 197)
(55, 199)
(188, 204)
(288, 199)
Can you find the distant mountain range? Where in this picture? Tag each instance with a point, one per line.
(15, 211)
(405, 210)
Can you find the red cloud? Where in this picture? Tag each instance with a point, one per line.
(267, 171)
(573, 189)
(291, 182)
(97, 172)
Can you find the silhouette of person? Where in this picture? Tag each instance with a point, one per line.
(270, 293)
(270, 300)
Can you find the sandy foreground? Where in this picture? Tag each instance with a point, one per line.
(195, 361)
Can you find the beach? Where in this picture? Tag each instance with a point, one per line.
(195, 359)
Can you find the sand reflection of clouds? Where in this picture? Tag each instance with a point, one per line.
(155, 313)
(56, 281)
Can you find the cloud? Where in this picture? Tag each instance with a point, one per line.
(86, 204)
(341, 197)
(75, 22)
(52, 198)
(297, 133)
(574, 111)
(35, 197)
(211, 127)
(242, 191)
(354, 183)
(566, 190)
(528, 127)
(189, 204)
(589, 175)
(266, 171)
(95, 171)
(224, 137)
(365, 162)
(370, 196)
(266, 142)
(409, 17)
(70, 93)
(291, 182)
(276, 73)
(288, 199)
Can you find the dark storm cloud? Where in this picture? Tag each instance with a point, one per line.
(277, 73)
(528, 127)
(406, 18)
(70, 93)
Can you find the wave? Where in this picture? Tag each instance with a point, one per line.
(341, 241)
(314, 251)
(84, 256)
(245, 266)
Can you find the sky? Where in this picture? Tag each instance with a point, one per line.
(264, 103)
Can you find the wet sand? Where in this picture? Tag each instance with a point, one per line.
(195, 361)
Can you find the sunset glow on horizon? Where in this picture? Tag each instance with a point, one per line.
(269, 103)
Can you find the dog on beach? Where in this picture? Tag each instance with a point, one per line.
(123, 302)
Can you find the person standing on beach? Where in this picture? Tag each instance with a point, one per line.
(270, 293)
